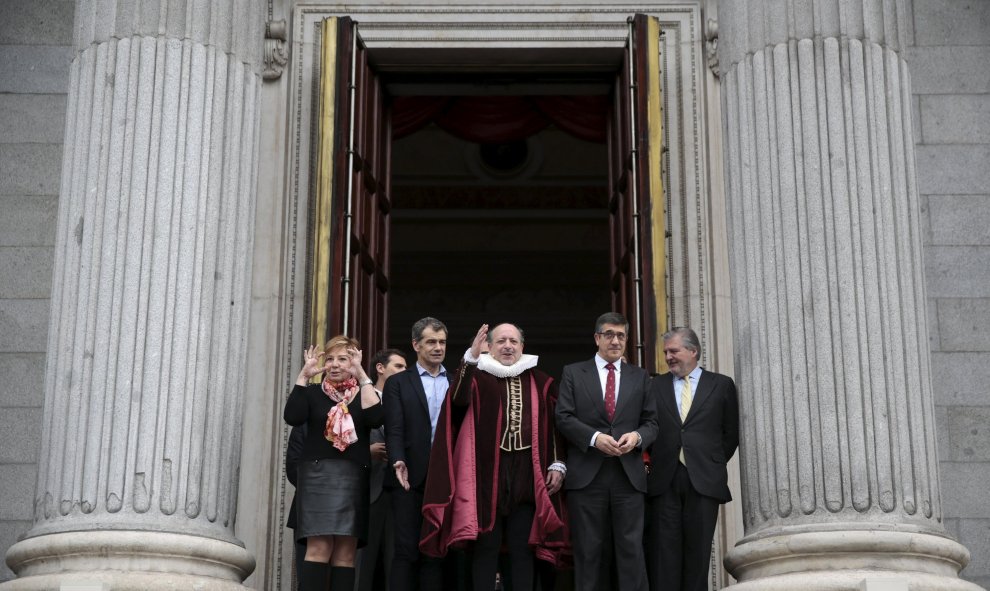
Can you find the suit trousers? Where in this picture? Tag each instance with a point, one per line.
(410, 569)
(608, 503)
(377, 555)
(300, 556)
(679, 530)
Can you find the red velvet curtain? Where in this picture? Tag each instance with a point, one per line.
(496, 119)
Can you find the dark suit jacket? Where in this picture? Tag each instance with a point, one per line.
(293, 454)
(709, 434)
(378, 468)
(581, 412)
(407, 426)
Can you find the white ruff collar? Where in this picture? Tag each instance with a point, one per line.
(489, 365)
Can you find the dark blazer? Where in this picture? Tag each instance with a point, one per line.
(581, 412)
(407, 426)
(709, 435)
(293, 454)
(378, 468)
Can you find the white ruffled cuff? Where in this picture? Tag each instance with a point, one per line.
(470, 358)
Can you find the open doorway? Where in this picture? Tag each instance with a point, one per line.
(544, 217)
(501, 231)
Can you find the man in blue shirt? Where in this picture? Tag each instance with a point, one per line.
(698, 414)
(412, 400)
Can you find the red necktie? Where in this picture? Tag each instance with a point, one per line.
(610, 392)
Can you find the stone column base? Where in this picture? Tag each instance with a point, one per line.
(127, 560)
(846, 559)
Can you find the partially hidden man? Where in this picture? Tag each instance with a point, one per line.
(376, 558)
(698, 412)
(496, 481)
(607, 418)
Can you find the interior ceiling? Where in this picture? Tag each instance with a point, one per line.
(517, 60)
(493, 86)
(489, 72)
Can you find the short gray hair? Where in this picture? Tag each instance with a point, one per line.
(689, 338)
(422, 323)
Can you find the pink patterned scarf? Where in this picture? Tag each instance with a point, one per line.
(340, 425)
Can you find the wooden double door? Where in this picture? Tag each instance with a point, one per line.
(354, 201)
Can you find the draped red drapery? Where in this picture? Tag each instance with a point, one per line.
(497, 119)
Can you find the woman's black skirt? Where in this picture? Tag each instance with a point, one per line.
(332, 499)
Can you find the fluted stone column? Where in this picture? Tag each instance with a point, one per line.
(140, 449)
(840, 483)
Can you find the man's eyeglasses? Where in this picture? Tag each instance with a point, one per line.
(608, 335)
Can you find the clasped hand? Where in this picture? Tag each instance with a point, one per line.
(610, 447)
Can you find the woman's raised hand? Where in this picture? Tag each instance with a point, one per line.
(311, 363)
(356, 369)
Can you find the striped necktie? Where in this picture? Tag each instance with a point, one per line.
(685, 407)
(685, 398)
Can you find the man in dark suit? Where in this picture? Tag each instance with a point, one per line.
(698, 412)
(374, 561)
(607, 418)
(412, 400)
(293, 454)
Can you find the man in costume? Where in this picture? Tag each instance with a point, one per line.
(698, 411)
(607, 418)
(498, 478)
(412, 400)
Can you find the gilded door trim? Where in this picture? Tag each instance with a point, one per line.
(322, 231)
(654, 121)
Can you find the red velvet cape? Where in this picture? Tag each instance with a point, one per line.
(461, 497)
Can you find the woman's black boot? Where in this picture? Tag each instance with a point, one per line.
(312, 576)
(342, 578)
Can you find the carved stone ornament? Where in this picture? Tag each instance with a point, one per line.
(711, 45)
(276, 50)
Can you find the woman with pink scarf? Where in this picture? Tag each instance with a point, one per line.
(332, 497)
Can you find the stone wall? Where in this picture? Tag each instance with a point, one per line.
(951, 85)
(35, 50)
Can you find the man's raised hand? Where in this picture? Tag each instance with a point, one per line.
(479, 340)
